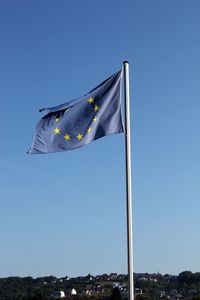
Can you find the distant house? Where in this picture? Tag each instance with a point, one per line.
(162, 294)
(143, 279)
(192, 292)
(121, 277)
(178, 296)
(89, 277)
(104, 277)
(73, 292)
(96, 288)
(88, 293)
(115, 284)
(153, 279)
(57, 295)
(174, 292)
(113, 276)
(124, 291)
(138, 291)
(66, 278)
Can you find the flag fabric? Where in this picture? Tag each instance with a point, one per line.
(78, 122)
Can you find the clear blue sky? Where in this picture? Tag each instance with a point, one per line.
(65, 213)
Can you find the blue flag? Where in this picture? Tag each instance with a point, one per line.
(78, 122)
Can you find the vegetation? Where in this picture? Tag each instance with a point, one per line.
(147, 287)
(116, 295)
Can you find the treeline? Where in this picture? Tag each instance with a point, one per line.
(16, 288)
(189, 278)
(186, 283)
(27, 288)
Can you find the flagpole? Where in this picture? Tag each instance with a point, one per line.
(128, 181)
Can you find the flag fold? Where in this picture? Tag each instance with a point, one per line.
(78, 122)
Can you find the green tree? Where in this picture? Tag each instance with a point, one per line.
(116, 295)
(197, 297)
(142, 297)
(37, 297)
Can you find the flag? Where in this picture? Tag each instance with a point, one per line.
(78, 122)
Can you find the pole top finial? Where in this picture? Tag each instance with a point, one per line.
(125, 62)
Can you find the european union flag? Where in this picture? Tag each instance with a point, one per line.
(78, 122)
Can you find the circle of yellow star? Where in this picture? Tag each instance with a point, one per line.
(89, 129)
(91, 100)
(67, 137)
(57, 120)
(57, 130)
(79, 136)
(96, 107)
(95, 119)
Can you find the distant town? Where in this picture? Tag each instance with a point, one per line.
(113, 286)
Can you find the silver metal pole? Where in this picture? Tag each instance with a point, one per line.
(128, 181)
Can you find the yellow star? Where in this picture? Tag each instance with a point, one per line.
(95, 119)
(79, 136)
(57, 120)
(91, 100)
(89, 129)
(56, 130)
(96, 107)
(67, 137)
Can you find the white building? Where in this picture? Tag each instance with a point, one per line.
(73, 292)
(58, 295)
